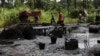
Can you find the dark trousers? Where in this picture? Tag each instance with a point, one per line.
(60, 22)
(52, 21)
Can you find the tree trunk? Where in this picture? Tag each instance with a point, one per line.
(68, 4)
(2, 3)
(38, 4)
(75, 3)
(14, 2)
(96, 3)
(85, 2)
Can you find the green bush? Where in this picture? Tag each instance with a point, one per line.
(74, 13)
(91, 15)
(45, 17)
(90, 19)
(10, 16)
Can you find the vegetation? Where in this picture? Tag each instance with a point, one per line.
(69, 8)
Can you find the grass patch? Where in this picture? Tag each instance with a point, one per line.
(10, 16)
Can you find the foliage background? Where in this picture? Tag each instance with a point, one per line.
(68, 8)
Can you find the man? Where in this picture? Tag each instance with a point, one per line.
(60, 19)
(52, 19)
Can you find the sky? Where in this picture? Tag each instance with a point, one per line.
(58, 0)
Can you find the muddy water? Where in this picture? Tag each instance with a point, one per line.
(30, 47)
(82, 34)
